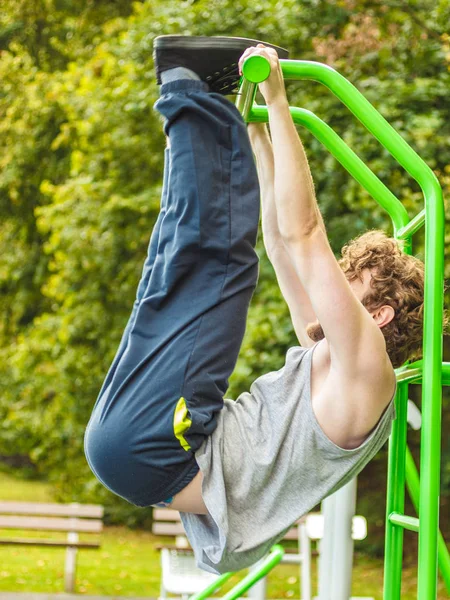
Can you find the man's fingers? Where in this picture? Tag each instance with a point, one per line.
(243, 57)
(260, 50)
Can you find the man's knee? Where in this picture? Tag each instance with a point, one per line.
(110, 454)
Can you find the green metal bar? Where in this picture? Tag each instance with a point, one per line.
(396, 496)
(255, 69)
(430, 453)
(411, 523)
(363, 111)
(410, 375)
(245, 98)
(433, 305)
(413, 372)
(445, 373)
(413, 485)
(413, 226)
(348, 159)
(417, 364)
(212, 587)
(274, 558)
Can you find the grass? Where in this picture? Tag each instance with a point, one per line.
(128, 563)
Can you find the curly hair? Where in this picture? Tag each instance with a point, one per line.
(397, 281)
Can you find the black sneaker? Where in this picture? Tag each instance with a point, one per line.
(214, 59)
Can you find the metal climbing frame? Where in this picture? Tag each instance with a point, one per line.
(271, 561)
(431, 372)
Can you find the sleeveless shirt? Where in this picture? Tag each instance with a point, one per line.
(268, 463)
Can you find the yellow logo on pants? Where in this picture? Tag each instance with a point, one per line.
(181, 423)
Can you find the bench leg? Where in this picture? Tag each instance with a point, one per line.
(71, 564)
(305, 566)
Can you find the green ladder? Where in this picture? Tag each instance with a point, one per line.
(431, 372)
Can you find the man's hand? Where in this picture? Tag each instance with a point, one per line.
(272, 88)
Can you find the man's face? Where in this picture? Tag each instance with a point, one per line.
(360, 289)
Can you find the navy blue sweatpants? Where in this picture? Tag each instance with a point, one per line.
(165, 387)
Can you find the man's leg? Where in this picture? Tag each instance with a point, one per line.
(162, 397)
(146, 271)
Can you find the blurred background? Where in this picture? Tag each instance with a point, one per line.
(81, 161)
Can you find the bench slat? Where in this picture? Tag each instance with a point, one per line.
(292, 534)
(168, 522)
(51, 524)
(180, 549)
(178, 529)
(60, 543)
(166, 514)
(168, 529)
(52, 509)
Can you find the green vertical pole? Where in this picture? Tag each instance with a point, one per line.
(396, 497)
(430, 449)
(413, 485)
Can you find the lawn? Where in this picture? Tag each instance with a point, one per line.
(128, 564)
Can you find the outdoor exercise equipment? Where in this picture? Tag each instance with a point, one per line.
(266, 565)
(431, 372)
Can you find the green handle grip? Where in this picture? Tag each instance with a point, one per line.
(256, 69)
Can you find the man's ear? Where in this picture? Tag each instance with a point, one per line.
(383, 315)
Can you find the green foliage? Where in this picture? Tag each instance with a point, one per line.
(53, 32)
(81, 164)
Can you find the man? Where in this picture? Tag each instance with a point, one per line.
(160, 434)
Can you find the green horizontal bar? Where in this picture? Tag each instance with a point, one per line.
(411, 523)
(445, 373)
(413, 372)
(409, 375)
(347, 157)
(413, 226)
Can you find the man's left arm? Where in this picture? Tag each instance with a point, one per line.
(353, 396)
(352, 334)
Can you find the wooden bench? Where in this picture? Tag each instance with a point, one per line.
(72, 519)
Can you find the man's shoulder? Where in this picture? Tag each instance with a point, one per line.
(350, 404)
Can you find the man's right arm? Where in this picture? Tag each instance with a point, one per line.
(291, 287)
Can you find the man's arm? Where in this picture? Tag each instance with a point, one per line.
(291, 287)
(353, 336)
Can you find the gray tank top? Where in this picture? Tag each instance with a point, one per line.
(267, 463)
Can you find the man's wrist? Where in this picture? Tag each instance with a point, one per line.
(258, 131)
(278, 103)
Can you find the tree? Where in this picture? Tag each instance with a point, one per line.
(81, 157)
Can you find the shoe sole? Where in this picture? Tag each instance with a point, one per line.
(199, 42)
